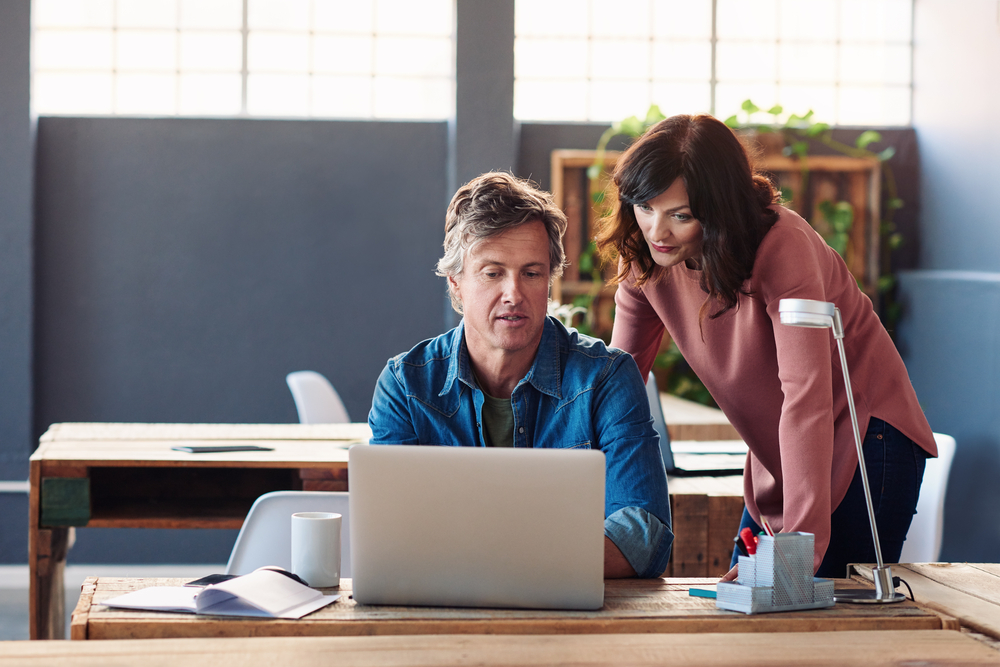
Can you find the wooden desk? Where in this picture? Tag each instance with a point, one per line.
(892, 647)
(126, 476)
(630, 606)
(687, 420)
(969, 592)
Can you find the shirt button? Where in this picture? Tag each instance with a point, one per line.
(520, 430)
(879, 436)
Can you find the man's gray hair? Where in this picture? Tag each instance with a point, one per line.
(489, 205)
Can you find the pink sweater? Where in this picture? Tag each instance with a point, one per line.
(781, 386)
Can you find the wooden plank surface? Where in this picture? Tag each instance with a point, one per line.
(631, 606)
(894, 647)
(687, 420)
(144, 431)
(969, 592)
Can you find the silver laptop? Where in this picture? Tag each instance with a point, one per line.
(476, 527)
(698, 458)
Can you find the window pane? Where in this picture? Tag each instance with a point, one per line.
(146, 13)
(413, 98)
(889, 20)
(865, 63)
(212, 14)
(72, 13)
(537, 58)
(154, 94)
(685, 19)
(83, 49)
(278, 94)
(550, 18)
(550, 100)
(210, 94)
(277, 52)
(614, 100)
(801, 99)
(874, 105)
(406, 17)
(674, 98)
(344, 16)
(413, 56)
(746, 61)
(807, 20)
(623, 60)
(278, 14)
(812, 63)
(746, 19)
(211, 51)
(80, 92)
(148, 50)
(620, 18)
(343, 55)
(682, 61)
(729, 97)
(342, 97)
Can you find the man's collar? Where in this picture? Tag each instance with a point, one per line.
(543, 375)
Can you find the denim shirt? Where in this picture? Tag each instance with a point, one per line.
(577, 394)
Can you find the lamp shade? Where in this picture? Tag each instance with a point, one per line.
(806, 313)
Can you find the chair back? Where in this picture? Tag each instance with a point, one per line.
(266, 535)
(923, 541)
(316, 401)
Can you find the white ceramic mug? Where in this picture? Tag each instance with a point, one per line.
(316, 548)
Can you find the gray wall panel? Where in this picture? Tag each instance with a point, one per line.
(185, 266)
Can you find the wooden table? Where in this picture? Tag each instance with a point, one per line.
(630, 606)
(126, 476)
(891, 647)
(969, 592)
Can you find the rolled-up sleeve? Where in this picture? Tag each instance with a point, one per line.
(637, 504)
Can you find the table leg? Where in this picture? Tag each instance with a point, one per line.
(47, 596)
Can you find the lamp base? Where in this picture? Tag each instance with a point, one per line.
(884, 592)
(867, 597)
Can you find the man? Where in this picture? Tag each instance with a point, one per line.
(509, 375)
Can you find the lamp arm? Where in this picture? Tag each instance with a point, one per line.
(838, 334)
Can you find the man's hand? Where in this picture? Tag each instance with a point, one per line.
(731, 575)
(616, 566)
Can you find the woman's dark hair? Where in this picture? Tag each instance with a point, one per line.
(726, 194)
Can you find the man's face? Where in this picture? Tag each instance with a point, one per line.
(504, 290)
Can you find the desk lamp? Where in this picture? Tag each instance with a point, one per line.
(823, 315)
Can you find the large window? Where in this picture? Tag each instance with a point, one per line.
(604, 60)
(288, 58)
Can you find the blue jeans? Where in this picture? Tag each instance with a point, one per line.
(895, 467)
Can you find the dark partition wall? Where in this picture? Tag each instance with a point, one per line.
(185, 266)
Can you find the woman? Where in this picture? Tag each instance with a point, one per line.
(706, 251)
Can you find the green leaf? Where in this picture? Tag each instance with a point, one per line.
(800, 148)
(654, 115)
(586, 262)
(594, 171)
(867, 137)
(786, 193)
(817, 129)
(896, 240)
(749, 107)
(775, 110)
(886, 154)
(894, 204)
(839, 243)
(826, 209)
(885, 283)
(597, 197)
(808, 117)
(632, 126)
(732, 122)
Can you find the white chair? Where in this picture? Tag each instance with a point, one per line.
(316, 401)
(923, 541)
(266, 535)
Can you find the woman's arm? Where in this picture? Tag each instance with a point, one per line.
(638, 329)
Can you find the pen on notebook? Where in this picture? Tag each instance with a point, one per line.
(748, 539)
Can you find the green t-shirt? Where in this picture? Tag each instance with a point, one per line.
(498, 421)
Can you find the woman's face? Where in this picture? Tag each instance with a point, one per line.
(673, 234)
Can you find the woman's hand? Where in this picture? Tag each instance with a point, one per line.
(732, 574)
